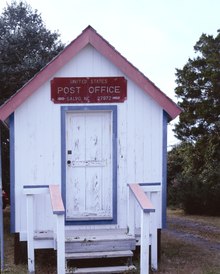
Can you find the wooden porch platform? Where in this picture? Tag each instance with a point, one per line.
(75, 236)
(91, 234)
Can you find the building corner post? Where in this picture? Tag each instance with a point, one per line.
(1, 211)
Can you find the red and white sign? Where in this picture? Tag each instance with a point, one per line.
(88, 90)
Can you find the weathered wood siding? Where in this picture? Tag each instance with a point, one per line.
(37, 147)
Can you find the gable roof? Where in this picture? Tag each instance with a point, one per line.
(89, 36)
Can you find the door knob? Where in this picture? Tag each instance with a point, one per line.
(68, 162)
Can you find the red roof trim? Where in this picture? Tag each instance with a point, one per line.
(134, 74)
(89, 35)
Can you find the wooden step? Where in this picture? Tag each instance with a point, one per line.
(99, 255)
(108, 269)
(99, 243)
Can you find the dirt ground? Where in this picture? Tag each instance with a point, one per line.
(201, 234)
(189, 245)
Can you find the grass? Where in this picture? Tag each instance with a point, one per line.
(208, 220)
(177, 256)
(45, 260)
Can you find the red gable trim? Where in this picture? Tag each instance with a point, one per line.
(89, 36)
(44, 75)
(134, 74)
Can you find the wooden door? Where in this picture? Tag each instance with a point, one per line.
(89, 186)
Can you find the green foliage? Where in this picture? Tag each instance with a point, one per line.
(26, 46)
(198, 91)
(175, 168)
(193, 177)
(197, 166)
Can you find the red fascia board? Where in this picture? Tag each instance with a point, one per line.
(89, 35)
(44, 75)
(134, 74)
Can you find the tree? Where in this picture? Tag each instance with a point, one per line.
(198, 92)
(26, 45)
(176, 161)
(193, 177)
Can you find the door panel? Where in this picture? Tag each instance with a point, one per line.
(89, 186)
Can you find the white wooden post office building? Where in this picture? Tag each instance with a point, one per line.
(88, 145)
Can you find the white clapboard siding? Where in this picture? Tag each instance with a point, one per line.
(38, 144)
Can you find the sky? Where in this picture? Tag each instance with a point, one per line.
(156, 36)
